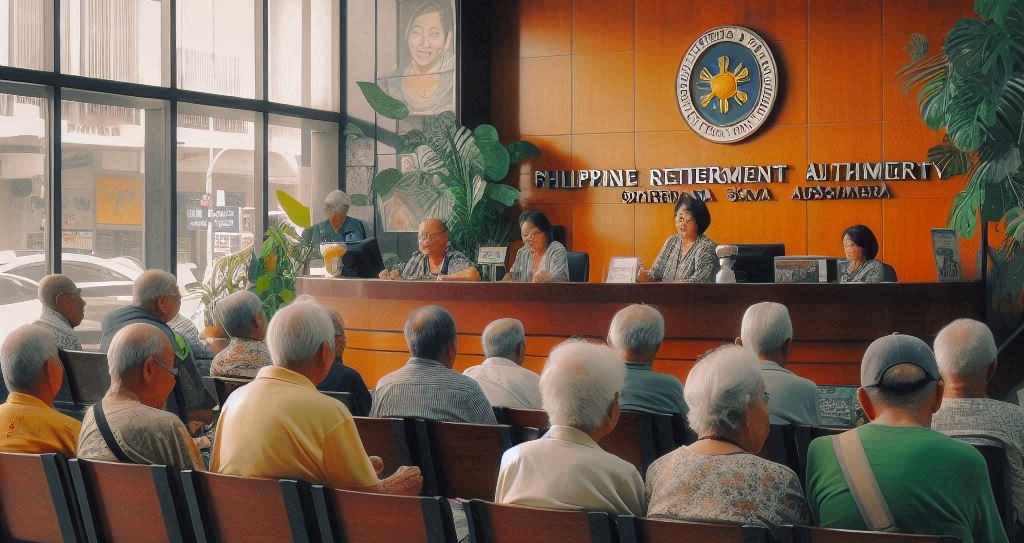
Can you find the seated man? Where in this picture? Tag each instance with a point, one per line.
(128, 424)
(966, 353)
(636, 334)
(436, 260)
(566, 469)
(242, 316)
(342, 378)
(156, 301)
(426, 387)
(502, 376)
(280, 426)
(63, 309)
(931, 483)
(768, 331)
(33, 373)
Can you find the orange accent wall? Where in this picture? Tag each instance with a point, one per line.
(591, 82)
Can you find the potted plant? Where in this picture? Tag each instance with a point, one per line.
(228, 274)
(283, 257)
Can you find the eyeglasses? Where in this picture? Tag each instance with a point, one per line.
(173, 371)
(684, 216)
(428, 237)
(767, 396)
(527, 234)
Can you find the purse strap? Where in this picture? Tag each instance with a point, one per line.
(108, 436)
(862, 482)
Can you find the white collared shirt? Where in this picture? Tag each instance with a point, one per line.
(507, 384)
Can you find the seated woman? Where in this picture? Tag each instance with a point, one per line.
(861, 247)
(688, 256)
(436, 260)
(719, 478)
(241, 314)
(540, 260)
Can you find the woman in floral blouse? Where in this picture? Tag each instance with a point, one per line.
(687, 256)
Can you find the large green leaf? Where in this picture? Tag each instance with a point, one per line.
(385, 181)
(296, 211)
(994, 10)
(521, 150)
(1015, 224)
(353, 130)
(503, 194)
(360, 200)
(916, 47)
(948, 160)
(381, 102)
(965, 44)
(495, 155)
(963, 217)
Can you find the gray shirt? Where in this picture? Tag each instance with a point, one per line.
(794, 400)
(648, 391)
(426, 389)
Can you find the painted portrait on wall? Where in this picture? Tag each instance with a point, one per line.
(424, 76)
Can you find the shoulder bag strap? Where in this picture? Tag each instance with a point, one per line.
(108, 436)
(862, 482)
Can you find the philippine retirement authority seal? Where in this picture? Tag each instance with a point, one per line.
(727, 84)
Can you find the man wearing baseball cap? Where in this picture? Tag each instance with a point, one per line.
(895, 473)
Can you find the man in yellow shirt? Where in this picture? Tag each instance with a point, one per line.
(281, 426)
(33, 373)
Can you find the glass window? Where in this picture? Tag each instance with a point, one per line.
(217, 46)
(305, 58)
(113, 39)
(27, 37)
(304, 163)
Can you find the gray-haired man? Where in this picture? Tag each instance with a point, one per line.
(502, 376)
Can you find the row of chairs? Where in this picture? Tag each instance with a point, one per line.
(46, 499)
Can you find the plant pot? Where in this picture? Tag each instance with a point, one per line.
(214, 331)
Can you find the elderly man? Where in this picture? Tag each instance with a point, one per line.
(33, 374)
(502, 377)
(436, 259)
(63, 309)
(156, 301)
(342, 378)
(768, 331)
(636, 334)
(426, 387)
(931, 483)
(242, 316)
(280, 426)
(566, 469)
(966, 353)
(339, 227)
(127, 425)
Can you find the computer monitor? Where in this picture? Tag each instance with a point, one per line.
(755, 263)
(362, 259)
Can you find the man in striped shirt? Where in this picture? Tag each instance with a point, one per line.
(426, 387)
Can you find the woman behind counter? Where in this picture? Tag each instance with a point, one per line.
(688, 256)
(861, 247)
(540, 260)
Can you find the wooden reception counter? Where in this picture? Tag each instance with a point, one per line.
(832, 323)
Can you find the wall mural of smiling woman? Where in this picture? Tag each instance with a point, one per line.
(424, 77)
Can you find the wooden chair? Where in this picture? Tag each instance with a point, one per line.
(359, 517)
(386, 438)
(494, 523)
(226, 385)
(37, 502)
(633, 440)
(130, 502)
(460, 460)
(527, 424)
(780, 447)
(343, 397)
(649, 530)
(807, 534)
(229, 509)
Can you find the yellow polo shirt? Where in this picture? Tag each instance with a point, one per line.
(27, 425)
(281, 426)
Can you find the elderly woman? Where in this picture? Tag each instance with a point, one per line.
(436, 260)
(719, 478)
(687, 256)
(243, 319)
(339, 227)
(540, 260)
(861, 247)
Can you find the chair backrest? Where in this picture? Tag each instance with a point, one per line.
(354, 517)
(493, 523)
(343, 397)
(386, 438)
(803, 436)
(527, 418)
(86, 374)
(229, 509)
(461, 460)
(579, 266)
(649, 530)
(633, 440)
(807, 534)
(130, 502)
(888, 273)
(995, 454)
(226, 385)
(37, 502)
(779, 445)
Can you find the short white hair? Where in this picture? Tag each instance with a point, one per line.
(579, 384)
(151, 285)
(721, 387)
(52, 286)
(766, 327)
(964, 348)
(23, 356)
(638, 328)
(132, 345)
(337, 201)
(502, 337)
(296, 333)
(237, 311)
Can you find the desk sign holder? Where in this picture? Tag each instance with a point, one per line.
(490, 259)
(623, 269)
(947, 254)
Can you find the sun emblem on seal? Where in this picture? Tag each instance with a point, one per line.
(725, 85)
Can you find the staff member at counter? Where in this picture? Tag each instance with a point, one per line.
(861, 248)
(339, 227)
(688, 256)
(540, 260)
(436, 260)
